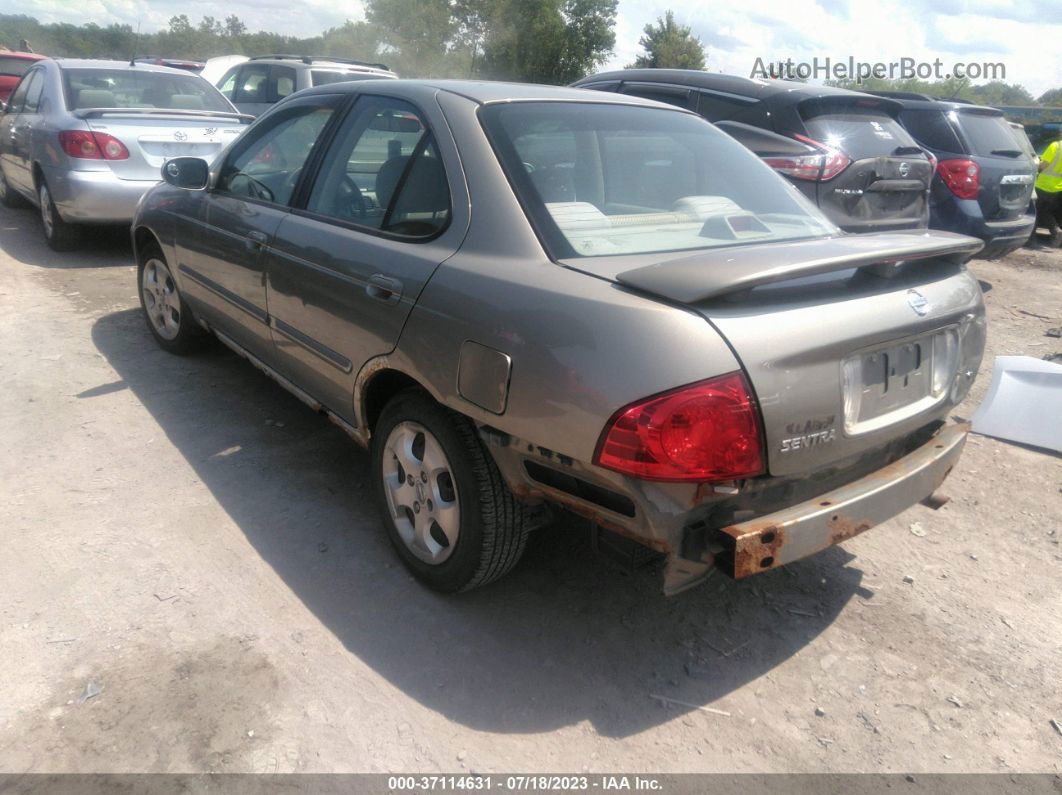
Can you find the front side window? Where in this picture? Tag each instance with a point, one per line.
(383, 171)
(139, 88)
(227, 86)
(267, 165)
(613, 179)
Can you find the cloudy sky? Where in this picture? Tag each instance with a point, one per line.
(1011, 32)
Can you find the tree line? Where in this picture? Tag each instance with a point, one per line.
(536, 41)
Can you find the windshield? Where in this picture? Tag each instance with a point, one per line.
(15, 67)
(139, 88)
(859, 132)
(600, 179)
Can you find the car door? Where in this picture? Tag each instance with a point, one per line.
(346, 267)
(23, 113)
(223, 232)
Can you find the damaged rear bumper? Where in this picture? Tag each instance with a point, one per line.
(792, 533)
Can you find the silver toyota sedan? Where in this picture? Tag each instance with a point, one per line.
(525, 298)
(84, 140)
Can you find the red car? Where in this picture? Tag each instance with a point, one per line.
(12, 66)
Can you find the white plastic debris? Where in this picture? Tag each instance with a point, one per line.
(1024, 403)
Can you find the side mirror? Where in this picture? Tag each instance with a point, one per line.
(190, 173)
(764, 142)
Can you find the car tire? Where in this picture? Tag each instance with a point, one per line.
(491, 528)
(10, 197)
(60, 235)
(168, 316)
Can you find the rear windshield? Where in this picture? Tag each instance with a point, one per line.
(1024, 144)
(15, 67)
(322, 77)
(600, 179)
(987, 134)
(138, 88)
(857, 131)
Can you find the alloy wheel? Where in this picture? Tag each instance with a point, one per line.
(162, 302)
(421, 493)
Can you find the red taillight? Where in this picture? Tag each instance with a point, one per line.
(963, 177)
(92, 145)
(706, 431)
(826, 165)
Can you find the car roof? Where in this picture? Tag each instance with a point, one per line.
(485, 92)
(317, 61)
(755, 88)
(925, 102)
(26, 56)
(87, 63)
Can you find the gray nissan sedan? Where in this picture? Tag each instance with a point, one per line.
(522, 298)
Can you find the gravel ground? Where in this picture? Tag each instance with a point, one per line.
(194, 580)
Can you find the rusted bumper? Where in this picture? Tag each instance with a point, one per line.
(793, 533)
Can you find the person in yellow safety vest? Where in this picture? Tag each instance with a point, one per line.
(1049, 192)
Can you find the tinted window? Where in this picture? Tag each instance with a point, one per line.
(284, 81)
(986, 134)
(716, 106)
(15, 67)
(856, 131)
(139, 88)
(252, 85)
(1024, 144)
(383, 171)
(33, 93)
(931, 128)
(609, 179)
(266, 165)
(672, 95)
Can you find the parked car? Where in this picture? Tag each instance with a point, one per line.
(984, 183)
(260, 82)
(844, 150)
(83, 140)
(519, 296)
(214, 68)
(1026, 146)
(12, 66)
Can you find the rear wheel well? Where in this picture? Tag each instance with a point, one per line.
(378, 392)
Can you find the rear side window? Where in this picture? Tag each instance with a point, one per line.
(716, 107)
(857, 131)
(383, 171)
(672, 95)
(322, 77)
(931, 128)
(33, 94)
(987, 134)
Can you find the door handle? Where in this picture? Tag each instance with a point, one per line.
(384, 288)
(256, 239)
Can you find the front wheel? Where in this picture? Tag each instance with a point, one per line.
(451, 518)
(59, 235)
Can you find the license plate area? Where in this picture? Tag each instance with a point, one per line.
(890, 383)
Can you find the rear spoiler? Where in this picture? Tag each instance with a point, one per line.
(718, 272)
(95, 113)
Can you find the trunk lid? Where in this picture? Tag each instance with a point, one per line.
(886, 185)
(152, 138)
(837, 336)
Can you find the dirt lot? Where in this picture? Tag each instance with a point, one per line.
(193, 579)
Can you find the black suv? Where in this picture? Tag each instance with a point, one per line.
(845, 150)
(984, 177)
